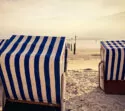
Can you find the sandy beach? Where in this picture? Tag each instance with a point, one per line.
(82, 91)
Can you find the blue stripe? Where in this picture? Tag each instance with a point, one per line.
(26, 65)
(46, 69)
(123, 41)
(1, 42)
(57, 69)
(119, 60)
(36, 68)
(6, 44)
(66, 54)
(4, 83)
(118, 65)
(113, 61)
(7, 64)
(107, 60)
(106, 68)
(17, 66)
(112, 64)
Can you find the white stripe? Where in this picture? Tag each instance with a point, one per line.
(115, 64)
(41, 70)
(104, 54)
(104, 57)
(12, 68)
(52, 72)
(3, 67)
(22, 69)
(122, 63)
(31, 69)
(62, 56)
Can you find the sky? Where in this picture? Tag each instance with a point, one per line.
(85, 18)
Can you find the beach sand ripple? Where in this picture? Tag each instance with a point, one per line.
(83, 93)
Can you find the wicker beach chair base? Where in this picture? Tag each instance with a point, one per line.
(17, 106)
(114, 87)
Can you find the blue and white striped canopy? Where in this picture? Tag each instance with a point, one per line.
(114, 59)
(31, 68)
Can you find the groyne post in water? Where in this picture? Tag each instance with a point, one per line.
(71, 44)
(75, 45)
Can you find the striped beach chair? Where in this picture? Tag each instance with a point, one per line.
(33, 70)
(112, 67)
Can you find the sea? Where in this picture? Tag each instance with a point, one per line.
(82, 43)
(86, 44)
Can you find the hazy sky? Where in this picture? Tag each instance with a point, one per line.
(85, 18)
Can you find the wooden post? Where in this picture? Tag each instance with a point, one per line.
(74, 48)
(75, 45)
(71, 44)
(66, 55)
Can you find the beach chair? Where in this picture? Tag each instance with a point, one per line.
(33, 70)
(112, 67)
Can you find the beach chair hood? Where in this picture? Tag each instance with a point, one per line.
(31, 68)
(113, 56)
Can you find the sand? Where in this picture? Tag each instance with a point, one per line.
(84, 59)
(82, 91)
